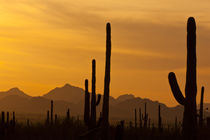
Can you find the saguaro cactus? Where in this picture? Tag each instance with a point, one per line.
(159, 119)
(189, 101)
(87, 103)
(51, 115)
(135, 118)
(140, 118)
(68, 114)
(90, 118)
(7, 118)
(105, 110)
(145, 117)
(201, 108)
(93, 97)
(13, 118)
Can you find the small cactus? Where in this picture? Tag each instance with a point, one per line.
(68, 114)
(13, 118)
(135, 118)
(145, 117)
(159, 119)
(51, 112)
(7, 118)
(140, 118)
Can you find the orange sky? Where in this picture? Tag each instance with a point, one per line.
(45, 44)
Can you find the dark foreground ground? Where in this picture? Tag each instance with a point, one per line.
(74, 130)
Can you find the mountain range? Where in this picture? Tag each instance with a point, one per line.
(68, 96)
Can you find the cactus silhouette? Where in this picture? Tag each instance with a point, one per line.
(94, 103)
(145, 117)
(87, 104)
(119, 131)
(105, 110)
(189, 101)
(105, 107)
(159, 119)
(51, 115)
(135, 118)
(90, 118)
(13, 119)
(7, 118)
(68, 114)
(201, 109)
(140, 118)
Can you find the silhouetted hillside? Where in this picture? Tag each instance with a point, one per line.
(73, 97)
(66, 93)
(13, 91)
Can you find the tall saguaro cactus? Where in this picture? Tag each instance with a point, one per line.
(105, 110)
(189, 101)
(201, 108)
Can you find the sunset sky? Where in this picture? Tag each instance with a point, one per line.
(47, 43)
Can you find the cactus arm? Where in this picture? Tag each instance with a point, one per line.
(98, 99)
(175, 88)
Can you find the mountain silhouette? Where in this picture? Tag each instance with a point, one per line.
(68, 96)
(13, 91)
(66, 93)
